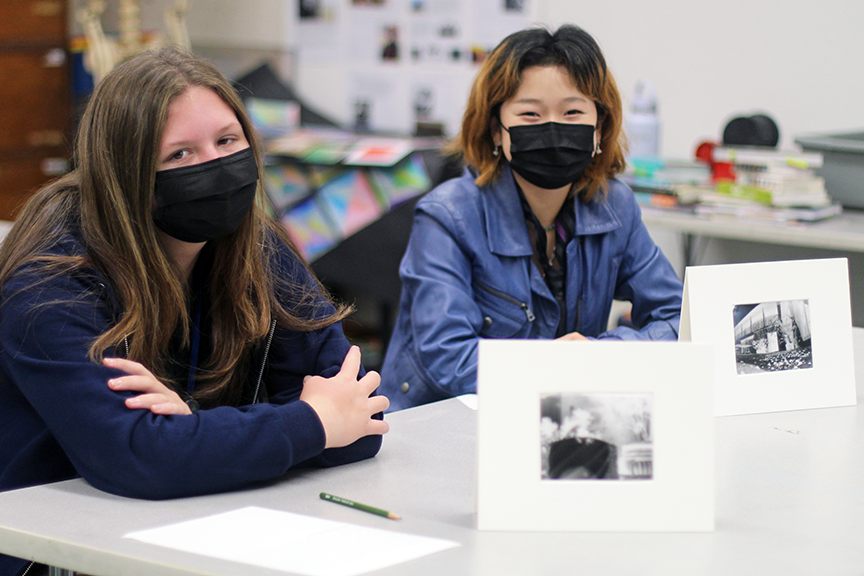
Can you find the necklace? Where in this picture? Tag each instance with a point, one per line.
(549, 227)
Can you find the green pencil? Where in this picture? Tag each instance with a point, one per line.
(357, 505)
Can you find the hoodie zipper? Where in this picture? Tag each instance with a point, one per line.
(264, 360)
(113, 305)
(525, 308)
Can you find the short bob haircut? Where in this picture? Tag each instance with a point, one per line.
(499, 77)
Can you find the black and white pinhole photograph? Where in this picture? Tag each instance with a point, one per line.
(772, 336)
(596, 436)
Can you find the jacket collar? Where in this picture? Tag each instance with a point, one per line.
(503, 209)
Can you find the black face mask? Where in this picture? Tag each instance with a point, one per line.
(208, 200)
(551, 155)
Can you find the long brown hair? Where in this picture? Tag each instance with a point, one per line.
(110, 196)
(499, 78)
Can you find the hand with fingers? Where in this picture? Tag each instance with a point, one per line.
(344, 404)
(155, 396)
(572, 336)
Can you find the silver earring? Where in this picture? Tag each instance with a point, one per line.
(495, 151)
(597, 149)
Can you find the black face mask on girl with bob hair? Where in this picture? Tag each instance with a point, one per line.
(551, 155)
(206, 201)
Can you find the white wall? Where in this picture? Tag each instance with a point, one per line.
(250, 24)
(799, 61)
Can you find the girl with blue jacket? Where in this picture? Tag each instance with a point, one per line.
(159, 335)
(537, 238)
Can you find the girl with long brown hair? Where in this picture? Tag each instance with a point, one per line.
(160, 336)
(537, 237)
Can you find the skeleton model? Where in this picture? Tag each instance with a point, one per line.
(104, 53)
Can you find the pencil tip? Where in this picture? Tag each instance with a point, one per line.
(393, 516)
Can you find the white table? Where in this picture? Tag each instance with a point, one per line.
(842, 232)
(724, 240)
(789, 500)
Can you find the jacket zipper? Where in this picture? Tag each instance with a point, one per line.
(264, 360)
(525, 308)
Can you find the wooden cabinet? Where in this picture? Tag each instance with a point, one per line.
(35, 139)
(33, 20)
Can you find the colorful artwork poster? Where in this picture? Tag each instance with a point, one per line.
(313, 145)
(327, 152)
(320, 175)
(273, 117)
(378, 151)
(401, 182)
(286, 184)
(350, 202)
(310, 229)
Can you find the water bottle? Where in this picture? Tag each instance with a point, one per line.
(643, 125)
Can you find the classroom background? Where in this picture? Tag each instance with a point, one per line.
(387, 64)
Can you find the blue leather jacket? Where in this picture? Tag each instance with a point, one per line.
(468, 274)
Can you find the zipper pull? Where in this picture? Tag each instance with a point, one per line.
(528, 313)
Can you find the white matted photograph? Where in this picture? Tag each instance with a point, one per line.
(772, 336)
(595, 436)
(782, 333)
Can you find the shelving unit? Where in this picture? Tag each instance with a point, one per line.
(34, 98)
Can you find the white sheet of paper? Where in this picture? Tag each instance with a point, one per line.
(469, 400)
(292, 542)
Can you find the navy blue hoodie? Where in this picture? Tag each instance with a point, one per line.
(59, 419)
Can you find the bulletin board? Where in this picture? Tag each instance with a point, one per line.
(405, 62)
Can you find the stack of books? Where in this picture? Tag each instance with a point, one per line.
(765, 185)
(721, 205)
(772, 185)
(668, 183)
(775, 178)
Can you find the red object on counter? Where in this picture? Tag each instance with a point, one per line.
(719, 170)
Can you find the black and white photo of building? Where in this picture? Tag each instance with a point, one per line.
(596, 436)
(772, 336)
